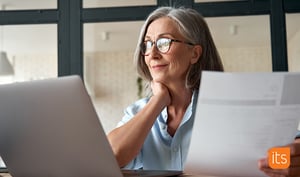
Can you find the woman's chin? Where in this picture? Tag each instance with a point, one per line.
(159, 80)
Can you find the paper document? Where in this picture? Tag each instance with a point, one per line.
(2, 165)
(239, 117)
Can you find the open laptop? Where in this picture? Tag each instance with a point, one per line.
(50, 128)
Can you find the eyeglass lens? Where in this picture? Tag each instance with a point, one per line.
(162, 44)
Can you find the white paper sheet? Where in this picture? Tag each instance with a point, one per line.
(2, 165)
(239, 117)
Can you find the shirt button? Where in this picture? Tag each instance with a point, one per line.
(175, 149)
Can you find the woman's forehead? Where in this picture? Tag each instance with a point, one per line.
(163, 25)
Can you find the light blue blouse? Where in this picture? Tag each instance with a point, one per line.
(161, 151)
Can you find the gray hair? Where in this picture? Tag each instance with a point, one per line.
(195, 30)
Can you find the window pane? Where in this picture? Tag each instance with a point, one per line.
(293, 41)
(29, 4)
(243, 42)
(116, 3)
(108, 68)
(31, 50)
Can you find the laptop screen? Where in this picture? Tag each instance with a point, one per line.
(52, 124)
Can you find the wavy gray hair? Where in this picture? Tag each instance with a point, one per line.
(195, 30)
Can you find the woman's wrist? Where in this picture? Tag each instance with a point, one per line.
(160, 100)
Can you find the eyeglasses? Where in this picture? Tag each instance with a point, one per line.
(162, 44)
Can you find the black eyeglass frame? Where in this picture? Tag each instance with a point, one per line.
(143, 48)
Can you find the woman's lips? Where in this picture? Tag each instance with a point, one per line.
(159, 66)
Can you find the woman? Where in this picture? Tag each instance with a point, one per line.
(174, 46)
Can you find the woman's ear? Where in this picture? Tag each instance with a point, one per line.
(197, 52)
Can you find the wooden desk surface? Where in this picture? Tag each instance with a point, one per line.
(184, 175)
(4, 175)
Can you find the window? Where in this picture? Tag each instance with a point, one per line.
(116, 3)
(243, 42)
(293, 41)
(29, 4)
(109, 73)
(31, 50)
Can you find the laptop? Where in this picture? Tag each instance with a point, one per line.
(50, 128)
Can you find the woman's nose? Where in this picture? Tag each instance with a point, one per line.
(154, 52)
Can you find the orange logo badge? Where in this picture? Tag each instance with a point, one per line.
(279, 157)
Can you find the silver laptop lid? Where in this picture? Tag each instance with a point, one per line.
(49, 127)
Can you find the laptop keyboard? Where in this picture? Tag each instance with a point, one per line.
(150, 173)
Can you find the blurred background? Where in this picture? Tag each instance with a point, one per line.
(33, 43)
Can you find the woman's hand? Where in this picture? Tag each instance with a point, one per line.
(126, 141)
(294, 168)
(161, 91)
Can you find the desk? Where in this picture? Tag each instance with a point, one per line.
(4, 175)
(184, 175)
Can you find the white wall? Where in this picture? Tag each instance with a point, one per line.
(294, 53)
(112, 80)
(247, 59)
